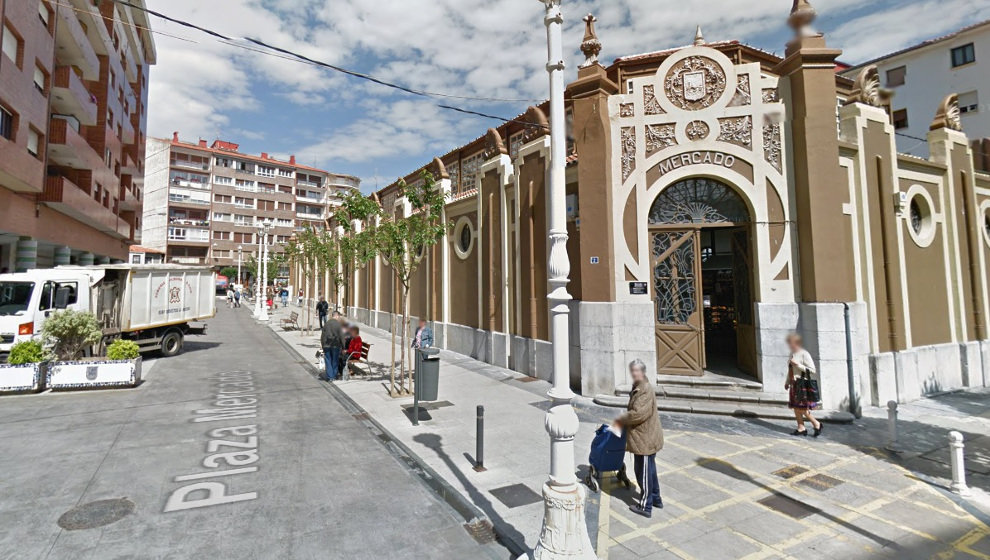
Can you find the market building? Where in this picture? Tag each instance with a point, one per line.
(205, 201)
(719, 198)
(73, 112)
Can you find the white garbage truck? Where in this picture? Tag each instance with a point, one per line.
(156, 306)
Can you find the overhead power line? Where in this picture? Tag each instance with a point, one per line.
(292, 55)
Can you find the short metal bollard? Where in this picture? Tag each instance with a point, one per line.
(892, 444)
(479, 450)
(958, 464)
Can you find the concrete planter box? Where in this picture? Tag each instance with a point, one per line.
(94, 374)
(24, 378)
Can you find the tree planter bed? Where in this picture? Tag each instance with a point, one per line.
(93, 374)
(22, 378)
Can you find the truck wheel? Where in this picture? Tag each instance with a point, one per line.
(171, 343)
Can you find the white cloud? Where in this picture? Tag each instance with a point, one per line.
(480, 48)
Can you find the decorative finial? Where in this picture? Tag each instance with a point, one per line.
(948, 115)
(699, 37)
(867, 88)
(591, 46)
(802, 16)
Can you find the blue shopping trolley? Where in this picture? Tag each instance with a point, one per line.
(608, 453)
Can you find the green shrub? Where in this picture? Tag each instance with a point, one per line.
(26, 352)
(122, 350)
(69, 333)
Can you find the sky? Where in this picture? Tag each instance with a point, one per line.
(491, 49)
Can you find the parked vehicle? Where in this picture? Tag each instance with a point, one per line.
(156, 306)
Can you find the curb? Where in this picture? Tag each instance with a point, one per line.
(475, 520)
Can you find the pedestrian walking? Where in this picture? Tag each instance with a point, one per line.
(322, 308)
(237, 297)
(299, 299)
(284, 295)
(332, 341)
(644, 438)
(424, 336)
(230, 297)
(801, 386)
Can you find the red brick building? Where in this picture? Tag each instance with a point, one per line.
(73, 108)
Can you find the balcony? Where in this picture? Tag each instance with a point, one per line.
(310, 184)
(188, 260)
(189, 222)
(70, 96)
(309, 216)
(67, 147)
(190, 184)
(65, 196)
(72, 45)
(197, 166)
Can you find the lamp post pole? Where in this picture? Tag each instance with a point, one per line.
(264, 268)
(564, 533)
(240, 250)
(257, 280)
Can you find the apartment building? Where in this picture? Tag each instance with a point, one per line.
(920, 76)
(204, 202)
(73, 108)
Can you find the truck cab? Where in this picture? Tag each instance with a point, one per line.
(28, 298)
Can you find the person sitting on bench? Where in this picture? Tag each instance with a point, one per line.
(355, 346)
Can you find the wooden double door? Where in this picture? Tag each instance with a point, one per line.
(681, 307)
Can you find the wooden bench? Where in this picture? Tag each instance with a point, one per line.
(292, 321)
(359, 364)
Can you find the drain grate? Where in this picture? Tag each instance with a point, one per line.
(481, 531)
(516, 495)
(790, 471)
(96, 514)
(788, 506)
(820, 482)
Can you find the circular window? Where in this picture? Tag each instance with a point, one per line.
(921, 219)
(917, 218)
(463, 237)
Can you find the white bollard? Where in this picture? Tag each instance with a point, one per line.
(958, 464)
(892, 444)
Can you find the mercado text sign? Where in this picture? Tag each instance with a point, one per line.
(702, 157)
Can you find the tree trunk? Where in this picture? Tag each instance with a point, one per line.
(405, 331)
(391, 372)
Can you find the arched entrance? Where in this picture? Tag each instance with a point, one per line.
(702, 269)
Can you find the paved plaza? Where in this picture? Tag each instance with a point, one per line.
(734, 488)
(160, 472)
(105, 475)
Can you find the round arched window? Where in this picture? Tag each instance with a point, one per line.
(698, 201)
(463, 237)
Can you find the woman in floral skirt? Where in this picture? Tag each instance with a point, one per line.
(802, 393)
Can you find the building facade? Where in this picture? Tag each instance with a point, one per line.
(73, 109)
(204, 202)
(919, 77)
(718, 197)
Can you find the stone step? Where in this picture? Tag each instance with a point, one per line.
(720, 381)
(738, 410)
(746, 396)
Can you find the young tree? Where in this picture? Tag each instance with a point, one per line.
(402, 243)
(355, 248)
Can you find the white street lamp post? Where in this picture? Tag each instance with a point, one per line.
(564, 533)
(240, 250)
(264, 266)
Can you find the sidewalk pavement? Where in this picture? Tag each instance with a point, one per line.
(734, 488)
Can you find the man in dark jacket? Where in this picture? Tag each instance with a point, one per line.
(332, 341)
(322, 307)
(644, 438)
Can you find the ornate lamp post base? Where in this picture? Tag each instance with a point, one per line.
(564, 534)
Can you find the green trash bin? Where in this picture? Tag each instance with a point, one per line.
(427, 374)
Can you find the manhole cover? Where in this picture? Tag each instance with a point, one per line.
(790, 471)
(516, 495)
(820, 482)
(788, 506)
(96, 514)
